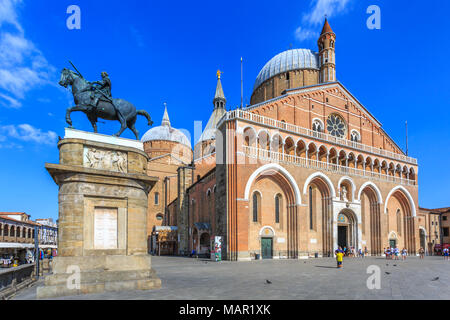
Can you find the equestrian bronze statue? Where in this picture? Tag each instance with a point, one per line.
(95, 100)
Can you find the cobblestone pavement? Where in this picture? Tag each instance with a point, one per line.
(189, 278)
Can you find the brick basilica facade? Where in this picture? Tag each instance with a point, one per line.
(302, 170)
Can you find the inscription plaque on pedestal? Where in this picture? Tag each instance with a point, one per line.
(105, 228)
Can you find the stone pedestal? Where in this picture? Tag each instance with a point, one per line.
(103, 190)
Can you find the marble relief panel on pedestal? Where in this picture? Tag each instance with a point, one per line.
(103, 159)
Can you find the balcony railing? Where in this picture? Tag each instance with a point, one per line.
(279, 157)
(269, 122)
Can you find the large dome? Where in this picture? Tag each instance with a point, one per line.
(165, 132)
(293, 59)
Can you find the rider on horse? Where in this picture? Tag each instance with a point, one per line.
(103, 91)
(104, 88)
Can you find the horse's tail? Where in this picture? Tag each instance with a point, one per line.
(145, 114)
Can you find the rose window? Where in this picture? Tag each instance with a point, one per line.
(336, 126)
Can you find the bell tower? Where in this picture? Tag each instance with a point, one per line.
(326, 45)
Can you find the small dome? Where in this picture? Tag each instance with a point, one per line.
(165, 132)
(293, 59)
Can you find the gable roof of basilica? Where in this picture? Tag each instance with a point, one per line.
(316, 87)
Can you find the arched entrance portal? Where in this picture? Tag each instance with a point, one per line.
(262, 190)
(201, 238)
(347, 230)
(267, 234)
(393, 239)
(400, 198)
(205, 243)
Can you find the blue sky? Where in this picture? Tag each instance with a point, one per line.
(169, 51)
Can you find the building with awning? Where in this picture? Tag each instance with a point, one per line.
(17, 237)
(164, 240)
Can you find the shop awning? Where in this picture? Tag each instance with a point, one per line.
(202, 226)
(164, 228)
(16, 245)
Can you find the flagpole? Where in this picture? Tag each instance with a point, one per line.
(242, 87)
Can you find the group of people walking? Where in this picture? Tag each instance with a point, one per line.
(393, 253)
(349, 252)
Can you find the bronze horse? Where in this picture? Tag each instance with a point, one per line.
(81, 91)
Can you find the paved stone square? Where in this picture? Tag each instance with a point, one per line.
(190, 278)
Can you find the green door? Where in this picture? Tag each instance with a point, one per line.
(266, 248)
(392, 243)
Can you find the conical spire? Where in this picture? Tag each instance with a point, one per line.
(219, 98)
(326, 27)
(165, 120)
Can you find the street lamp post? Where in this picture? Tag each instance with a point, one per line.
(36, 250)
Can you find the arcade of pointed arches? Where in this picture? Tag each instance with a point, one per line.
(333, 155)
(327, 193)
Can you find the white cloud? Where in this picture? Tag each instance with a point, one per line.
(8, 14)
(303, 34)
(10, 145)
(316, 15)
(10, 101)
(22, 66)
(26, 132)
(324, 7)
